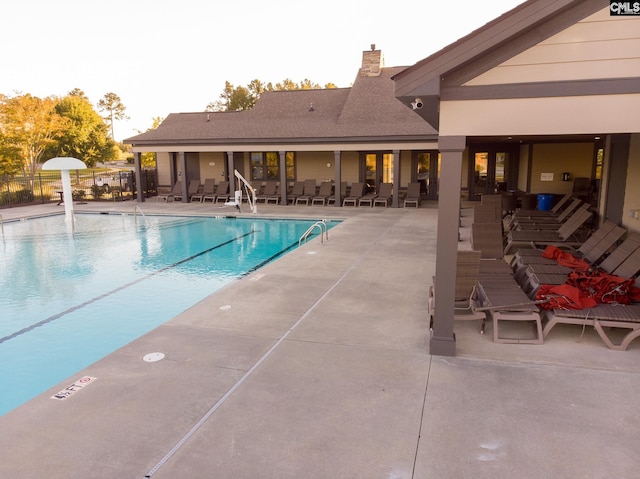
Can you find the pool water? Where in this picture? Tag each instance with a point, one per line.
(67, 300)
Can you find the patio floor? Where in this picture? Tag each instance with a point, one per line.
(317, 366)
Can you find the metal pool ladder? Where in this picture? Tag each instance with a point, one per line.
(324, 231)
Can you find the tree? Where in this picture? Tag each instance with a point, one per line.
(242, 98)
(86, 136)
(29, 125)
(112, 104)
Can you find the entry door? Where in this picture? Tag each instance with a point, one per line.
(487, 171)
(428, 173)
(378, 168)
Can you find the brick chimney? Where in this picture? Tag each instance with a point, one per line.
(372, 62)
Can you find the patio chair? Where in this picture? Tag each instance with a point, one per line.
(208, 189)
(413, 195)
(487, 238)
(385, 195)
(357, 190)
(548, 222)
(222, 192)
(367, 198)
(325, 191)
(503, 298)
(624, 262)
(296, 191)
(610, 316)
(467, 272)
(269, 190)
(176, 190)
(343, 193)
(567, 234)
(487, 213)
(599, 243)
(527, 213)
(275, 197)
(309, 192)
(192, 189)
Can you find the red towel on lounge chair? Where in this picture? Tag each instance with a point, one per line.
(565, 259)
(605, 287)
(563, 296)
(586, 289)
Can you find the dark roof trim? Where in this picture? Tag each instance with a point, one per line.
(289, 141)
(614, 86)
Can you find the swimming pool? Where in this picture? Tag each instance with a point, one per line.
(68, 300)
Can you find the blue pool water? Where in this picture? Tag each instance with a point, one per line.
(68, 300)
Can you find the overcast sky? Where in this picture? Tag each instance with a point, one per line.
(164, 57)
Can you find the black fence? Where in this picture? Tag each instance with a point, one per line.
(86, 185)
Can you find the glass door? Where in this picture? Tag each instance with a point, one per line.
(487, 171)
(428, 173)
(378, 168)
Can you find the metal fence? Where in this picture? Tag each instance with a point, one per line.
(86, 185)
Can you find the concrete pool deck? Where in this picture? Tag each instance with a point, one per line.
(317, 366)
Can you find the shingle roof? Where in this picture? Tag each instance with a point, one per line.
(368, 109)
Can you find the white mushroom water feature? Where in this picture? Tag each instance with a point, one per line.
(65, 165)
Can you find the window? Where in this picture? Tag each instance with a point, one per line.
(266, 165)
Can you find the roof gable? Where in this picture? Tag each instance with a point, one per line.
(599, 46)
(496, 42)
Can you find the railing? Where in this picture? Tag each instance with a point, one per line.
(137, 209)
(87, 185)
(324, 232)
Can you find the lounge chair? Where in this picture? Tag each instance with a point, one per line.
(343, 193)
(308, 194)
(624, 262)
(487, 238)
(268, 191)
(325, 191)
(296, 191)
(549, 223)
(367, 199)
(275, 197)
(222, 192)
(176, 190)
(487, 213)
(501, 296)
(615, 316)
(385, 195)
(598, 243)
(192, 189)
(467, 272)
(208, 189)
(413, 195)
(566, 234)
(526, 213)
(357, 190)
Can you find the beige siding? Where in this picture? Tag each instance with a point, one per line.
(573, 158)
(212, 166)
(318, 165)
(632, 192)
(600, 46)
(541, 116)
(164, 169)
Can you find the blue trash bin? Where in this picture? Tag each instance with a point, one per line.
(545, 202)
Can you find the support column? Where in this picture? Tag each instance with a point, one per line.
(395, 200)
(443, 339)
(231, 166)
(283, 177)
(182, 158)
(337, 165)
(137, 167)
